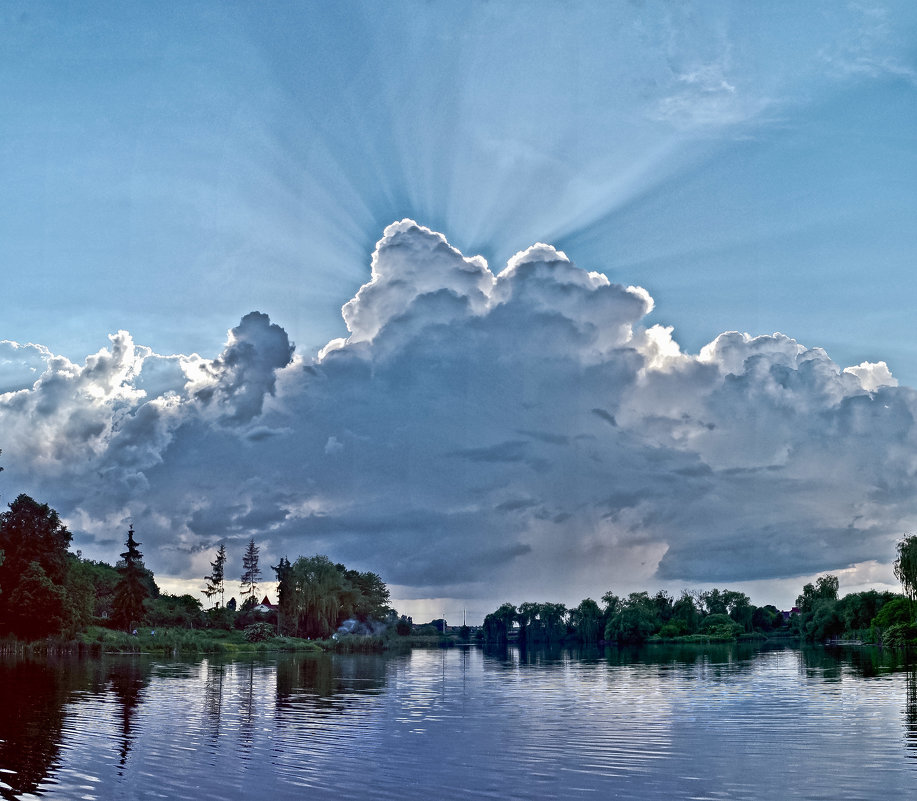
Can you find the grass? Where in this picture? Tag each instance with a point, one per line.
(175, 641)
(189, 642)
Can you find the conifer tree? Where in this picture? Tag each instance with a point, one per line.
(250, 574)
(215, 579)
(131, 590)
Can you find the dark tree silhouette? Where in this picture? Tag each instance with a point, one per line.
(215, 579)
(131, 590)
(31, 533)
(251, 573)
(906, 565)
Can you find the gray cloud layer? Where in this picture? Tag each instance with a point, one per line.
(476, 435)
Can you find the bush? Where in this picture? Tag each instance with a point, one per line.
(898, 610)
(674, 628)
(899, 635)
(258, 632)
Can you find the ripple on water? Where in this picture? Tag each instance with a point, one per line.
(461, 724)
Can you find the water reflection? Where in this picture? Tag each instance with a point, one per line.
(657, 722)
(325, 684)
(128, 677)
(32, 697)
(910, 711)
(214, 679)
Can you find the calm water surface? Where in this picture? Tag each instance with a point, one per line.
(658, 722)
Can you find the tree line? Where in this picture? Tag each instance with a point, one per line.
(46, 590)
(871, 616)
(717, 614)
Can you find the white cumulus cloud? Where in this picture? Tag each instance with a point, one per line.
(477, 435)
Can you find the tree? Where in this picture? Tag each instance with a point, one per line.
(131, 590)
(285, 615)
(588, 621)
(633, 624)
(906, 565)
(685, 613)
(1, 550)
(38, 605)
(174, 610)
(824, 589)
(251, 573)
(33, 532)
(215, 579)
(30, 532)
(498, 624)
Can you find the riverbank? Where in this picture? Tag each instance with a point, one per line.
(185, 642)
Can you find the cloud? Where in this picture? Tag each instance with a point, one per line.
(514, 435)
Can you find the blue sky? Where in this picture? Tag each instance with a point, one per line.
(169, 169)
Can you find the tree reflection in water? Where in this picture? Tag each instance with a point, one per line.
(214, 677)
(33, 693)
(322, 683)
(128, 677)
(910, 711)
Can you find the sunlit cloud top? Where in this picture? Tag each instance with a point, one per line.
(616, 185)
(478, 434)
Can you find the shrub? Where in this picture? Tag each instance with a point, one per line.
(258, 632)
(898, 610)
(899, 635)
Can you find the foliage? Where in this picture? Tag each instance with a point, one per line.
(38, 606)
(899, 610)
(824, 621)
(81, 595)
(685, 613)
(219, 617)
(899, 635)
(284, 602)
(34, 542)
(316, 596)
(174, 610)
(906, 565)
(825, 588)
(251, 573)
(588, 621)
(499, 623)
(215, 584)
(103, 578)
(766, 618)
(187, 641)
(131, 590)
(366, 598)
(859, 609)
(633, 624)
(258, 632)
(541, 622)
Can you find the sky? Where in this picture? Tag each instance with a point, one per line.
(501, 301)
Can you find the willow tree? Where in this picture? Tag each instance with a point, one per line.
(315, 586)
(906, 565)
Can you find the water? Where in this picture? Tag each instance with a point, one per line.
(655, 723)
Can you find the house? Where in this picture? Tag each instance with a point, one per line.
(264, 606)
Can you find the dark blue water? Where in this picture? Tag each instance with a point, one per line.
(653, 723)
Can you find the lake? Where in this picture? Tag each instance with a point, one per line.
(660, 722)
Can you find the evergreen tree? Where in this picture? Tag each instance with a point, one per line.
(215, 579)
(250, 574)
(132, 589)
(285, 615)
